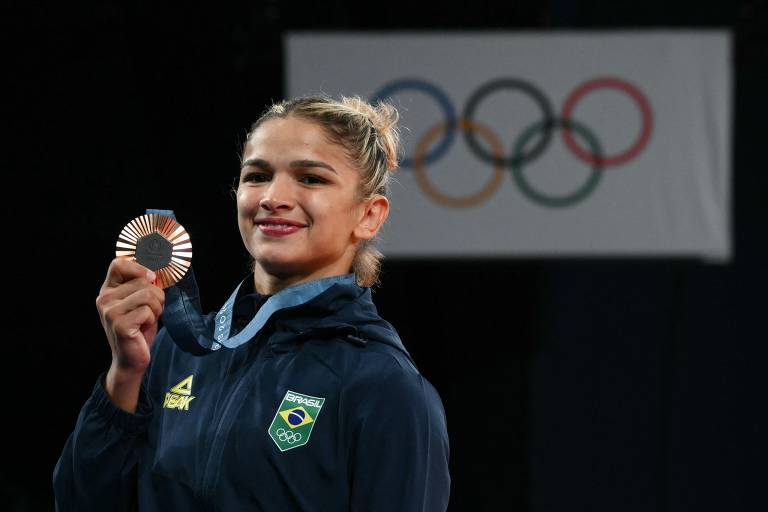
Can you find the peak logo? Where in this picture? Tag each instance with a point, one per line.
(180, 395)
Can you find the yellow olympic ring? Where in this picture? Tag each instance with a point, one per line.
(459, 201)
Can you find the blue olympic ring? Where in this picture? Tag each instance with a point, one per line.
(442, 99)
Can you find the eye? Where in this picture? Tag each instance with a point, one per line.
(256, 177)
(311, 179)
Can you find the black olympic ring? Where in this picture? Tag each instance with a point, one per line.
(522, 86)
(521, 154)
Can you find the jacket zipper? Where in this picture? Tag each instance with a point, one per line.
(216, 451)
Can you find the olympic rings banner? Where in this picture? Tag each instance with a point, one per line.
(532, 144)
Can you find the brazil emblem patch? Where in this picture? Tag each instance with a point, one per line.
(294, 420)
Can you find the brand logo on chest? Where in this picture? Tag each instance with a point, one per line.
(180, 395)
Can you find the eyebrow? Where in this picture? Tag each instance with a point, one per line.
(263, 164)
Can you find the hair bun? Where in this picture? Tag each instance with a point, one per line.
(383, 117)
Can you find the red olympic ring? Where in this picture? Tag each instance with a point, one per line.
(613, 83)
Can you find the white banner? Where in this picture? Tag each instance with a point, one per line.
(560, 144)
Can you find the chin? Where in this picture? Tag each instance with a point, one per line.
(280, 267)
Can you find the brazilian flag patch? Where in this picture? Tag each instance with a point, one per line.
(294, 420)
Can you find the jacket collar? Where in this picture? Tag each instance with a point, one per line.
(343, 310)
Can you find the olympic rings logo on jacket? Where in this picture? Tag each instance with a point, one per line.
(526, 148)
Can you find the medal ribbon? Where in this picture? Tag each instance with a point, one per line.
(185, 322)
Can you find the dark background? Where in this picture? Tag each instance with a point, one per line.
(617, 384)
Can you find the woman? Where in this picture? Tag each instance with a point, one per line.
(323, 409)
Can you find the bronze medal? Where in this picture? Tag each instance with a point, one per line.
(159, 243)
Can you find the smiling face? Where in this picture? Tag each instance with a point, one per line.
(299, 211)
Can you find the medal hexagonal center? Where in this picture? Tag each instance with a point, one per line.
(154, 251)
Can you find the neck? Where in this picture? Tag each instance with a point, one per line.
(268, 284)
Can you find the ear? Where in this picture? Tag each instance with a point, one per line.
(372, 215)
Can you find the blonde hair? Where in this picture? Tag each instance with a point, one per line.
(370, 136)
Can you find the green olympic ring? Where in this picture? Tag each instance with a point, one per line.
(557, 201)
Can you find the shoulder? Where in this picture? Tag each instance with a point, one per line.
(384, 366)
(385, 384)
(366, 364)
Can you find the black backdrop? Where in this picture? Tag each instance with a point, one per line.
(617, 384)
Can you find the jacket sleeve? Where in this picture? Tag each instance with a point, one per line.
(399, 454)
(97, 469)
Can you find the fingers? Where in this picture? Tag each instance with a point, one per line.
(131, 338)
(130, 325)
(130, 305)
(128, 287)
(137, 296)
(125, 278)
(109, 294)
(122, 270)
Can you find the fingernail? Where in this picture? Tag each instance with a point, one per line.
(151, 276)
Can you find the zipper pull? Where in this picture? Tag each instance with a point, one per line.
(359, 342)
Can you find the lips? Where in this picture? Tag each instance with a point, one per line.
(276, 226)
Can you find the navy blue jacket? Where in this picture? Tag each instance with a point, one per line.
(379, 442)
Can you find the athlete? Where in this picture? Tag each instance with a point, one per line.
(322, 409)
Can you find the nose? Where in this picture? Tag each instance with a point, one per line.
(278, 195)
